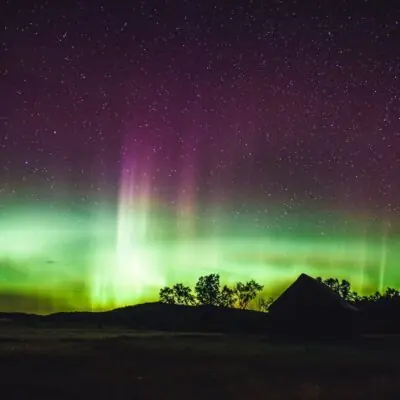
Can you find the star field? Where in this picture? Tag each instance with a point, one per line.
(282, 116)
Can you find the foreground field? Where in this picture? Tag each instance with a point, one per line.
(120, 364)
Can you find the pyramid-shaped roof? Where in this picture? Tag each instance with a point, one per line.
(308, 294)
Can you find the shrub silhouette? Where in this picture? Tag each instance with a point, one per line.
(263, 304)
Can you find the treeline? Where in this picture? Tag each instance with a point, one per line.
(343, 288)
(209, 291)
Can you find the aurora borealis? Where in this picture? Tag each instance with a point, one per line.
(148, 144)
(103, 261)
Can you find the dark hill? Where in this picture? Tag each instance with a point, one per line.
(155, 316)
(160, 316)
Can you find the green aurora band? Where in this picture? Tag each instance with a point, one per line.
(60, 259)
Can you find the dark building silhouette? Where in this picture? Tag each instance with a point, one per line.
(309, 309)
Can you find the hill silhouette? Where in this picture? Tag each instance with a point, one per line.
(155, 316)
(309, 307)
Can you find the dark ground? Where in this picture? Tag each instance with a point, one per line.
(121, 364)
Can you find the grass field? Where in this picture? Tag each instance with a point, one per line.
(121, 364)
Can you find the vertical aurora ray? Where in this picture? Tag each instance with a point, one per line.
(363, 265)
(132, 273)
(383, 258)
(187, 195)
(186, 205)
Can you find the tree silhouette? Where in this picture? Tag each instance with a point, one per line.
(183, 294)
(178, 294)
(374, 297)
(391, 293)
(208, 290)
(342, 288)
(167, 296)
(264, 304)
(226, 297)
(246, 292)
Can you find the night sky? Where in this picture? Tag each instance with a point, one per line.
(146, 144)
